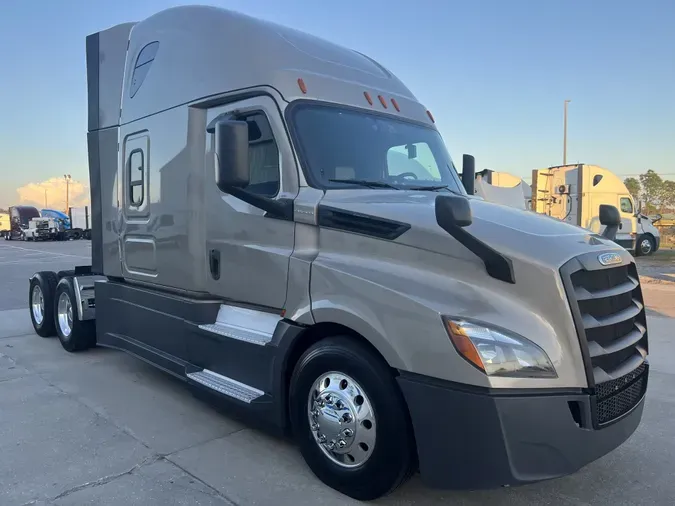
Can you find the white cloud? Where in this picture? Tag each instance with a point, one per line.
(34, 194)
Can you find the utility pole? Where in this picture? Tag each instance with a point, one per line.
(565, 134)
(46, 198)
(67, 178)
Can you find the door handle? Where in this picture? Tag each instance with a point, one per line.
(214, 263)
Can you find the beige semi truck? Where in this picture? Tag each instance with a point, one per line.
(260, 231)
(573, 194)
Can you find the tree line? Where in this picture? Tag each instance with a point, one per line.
(656, 194)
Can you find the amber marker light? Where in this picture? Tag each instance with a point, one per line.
(464, 345)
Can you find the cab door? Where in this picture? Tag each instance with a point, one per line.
(248, 252)
(628, 228)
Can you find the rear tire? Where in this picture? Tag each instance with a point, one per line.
(378, 453)
(41, 302)
(75, 335)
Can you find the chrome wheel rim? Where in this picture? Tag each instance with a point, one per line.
(646, 246)
(64, 313)
(38, 305)
(341, 419)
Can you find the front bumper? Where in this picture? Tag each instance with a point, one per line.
(470, 439)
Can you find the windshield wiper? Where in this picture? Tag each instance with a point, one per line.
(431, 188)
(363, 182)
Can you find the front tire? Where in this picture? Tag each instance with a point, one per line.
(75, 334)
(645, 245)
(41, 302)
(350, 420)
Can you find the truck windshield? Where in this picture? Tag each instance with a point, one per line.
(342, 145)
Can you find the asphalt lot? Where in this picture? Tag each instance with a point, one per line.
(103, 428)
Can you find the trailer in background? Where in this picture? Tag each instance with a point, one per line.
(80, 222)
(4, 224)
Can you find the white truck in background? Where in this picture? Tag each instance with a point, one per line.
(573, 194)
(44, 228)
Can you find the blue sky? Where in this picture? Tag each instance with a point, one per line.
(495, 74)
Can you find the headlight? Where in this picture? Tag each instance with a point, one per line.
(498, 352)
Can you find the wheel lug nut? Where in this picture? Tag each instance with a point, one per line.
(342, 443)
(315, 426)
(321, 438)
(329, 399)
(346, 418)
(339, 405)
(348, 433)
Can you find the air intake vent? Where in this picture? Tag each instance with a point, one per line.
(358, 223)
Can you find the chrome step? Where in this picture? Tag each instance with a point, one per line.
(249, 325)
(240, 333)
(227, 386)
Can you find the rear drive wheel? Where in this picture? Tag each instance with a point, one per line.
(41, 302)
(74, 334)
(350, 420)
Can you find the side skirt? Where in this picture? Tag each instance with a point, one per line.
(236, 355)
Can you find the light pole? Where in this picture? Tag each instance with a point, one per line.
(67, 178)
(46, 198)
(565, 134)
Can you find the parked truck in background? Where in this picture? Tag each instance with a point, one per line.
(4, 224)
(257, 233)
(44, 228)
(58, 226)
(19, 221)
(80, 221)
(574, 193)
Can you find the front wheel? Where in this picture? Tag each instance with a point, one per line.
(74, 334)
(350, 420)
(645, 245)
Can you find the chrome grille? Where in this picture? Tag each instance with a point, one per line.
(609, 314)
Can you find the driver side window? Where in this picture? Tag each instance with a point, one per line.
(626, 205)
(263, 155)
(412, 159)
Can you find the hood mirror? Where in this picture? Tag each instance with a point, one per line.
(453, 211)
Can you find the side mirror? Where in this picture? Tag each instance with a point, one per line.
(232, 170)
(469, 173)
(453, 211)
(610, 217)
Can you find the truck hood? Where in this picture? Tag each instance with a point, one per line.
(519, 234)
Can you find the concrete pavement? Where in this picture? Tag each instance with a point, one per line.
(103, 428)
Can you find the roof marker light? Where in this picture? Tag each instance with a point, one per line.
(382, 101)
(367, 95)
(431, 117)
(302, 86)
(395, 104)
